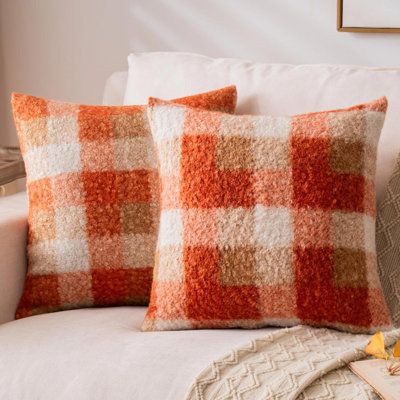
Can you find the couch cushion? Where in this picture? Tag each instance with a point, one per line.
(266, 220)
(93, 200)
(101, 354)
(274, 89)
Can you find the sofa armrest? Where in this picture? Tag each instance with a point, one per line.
(13, 230)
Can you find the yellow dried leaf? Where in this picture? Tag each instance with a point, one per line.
(376, 346)
(396, 350)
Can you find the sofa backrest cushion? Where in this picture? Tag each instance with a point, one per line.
(274, 89)
(114, 89)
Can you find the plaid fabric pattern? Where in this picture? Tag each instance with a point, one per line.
(93, 201)
(266, 220)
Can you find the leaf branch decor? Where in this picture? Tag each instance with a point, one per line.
(376, 348)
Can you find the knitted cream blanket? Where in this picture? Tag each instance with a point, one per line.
(294, 363)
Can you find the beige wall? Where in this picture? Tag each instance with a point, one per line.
(66, 48)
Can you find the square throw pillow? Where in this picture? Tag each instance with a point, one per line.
(93, 201)
(266, 220)
(388, 244)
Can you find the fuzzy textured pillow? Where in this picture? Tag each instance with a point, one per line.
(266, 220)
(93, 201)
(388, 244)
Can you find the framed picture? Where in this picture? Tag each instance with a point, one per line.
(368, 16)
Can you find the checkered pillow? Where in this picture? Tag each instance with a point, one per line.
(93, 201)
(266, 220)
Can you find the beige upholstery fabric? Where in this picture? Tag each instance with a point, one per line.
(13, 228)
(114, 89)
(101, 354)
(388, 243)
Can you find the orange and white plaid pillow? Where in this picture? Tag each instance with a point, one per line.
(266, 220)
(93, 201)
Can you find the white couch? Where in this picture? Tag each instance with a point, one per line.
(101, 353)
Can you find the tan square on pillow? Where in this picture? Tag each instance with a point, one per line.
(266, 220)
(93, 201)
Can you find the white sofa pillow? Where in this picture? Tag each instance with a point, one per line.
(273, 89)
